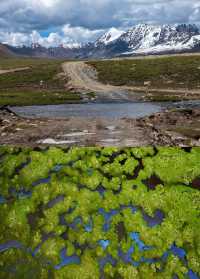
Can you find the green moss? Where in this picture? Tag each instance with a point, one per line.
(19, 264)
(63, 212)
(183, 169)
(88, 269)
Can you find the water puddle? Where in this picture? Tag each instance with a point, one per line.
(9, 245)
(41, 181)
(2, 200)
(55, 201)
(67, 260)
(157, 219)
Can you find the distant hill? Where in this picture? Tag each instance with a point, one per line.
(5, 51)
(142, 39)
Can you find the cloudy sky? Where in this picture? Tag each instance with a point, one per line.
(52, 22)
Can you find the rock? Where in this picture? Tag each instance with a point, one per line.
(6, 121)
(195, 112)
(147, 83)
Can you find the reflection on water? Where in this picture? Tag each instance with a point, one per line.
(111, 110)
(107, 110)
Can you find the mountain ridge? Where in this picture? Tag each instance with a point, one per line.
(142, 39)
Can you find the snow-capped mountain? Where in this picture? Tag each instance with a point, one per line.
(141, 39)
(145, 39)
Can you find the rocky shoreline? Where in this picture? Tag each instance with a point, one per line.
(179, 127)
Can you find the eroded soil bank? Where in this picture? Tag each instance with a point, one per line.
(172, 128)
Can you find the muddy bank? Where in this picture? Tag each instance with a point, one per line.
(172, 128)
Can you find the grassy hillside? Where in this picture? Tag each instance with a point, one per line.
(165, 72)
(24, 88)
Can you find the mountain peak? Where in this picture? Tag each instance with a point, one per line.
(151, 38)
(111, 35)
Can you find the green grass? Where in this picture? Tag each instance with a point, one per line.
(45, 70)
(10, 63)
(37, 97)
(23, 88)
(164, 72)
(164, 97)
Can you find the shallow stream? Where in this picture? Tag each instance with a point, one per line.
(103, 110)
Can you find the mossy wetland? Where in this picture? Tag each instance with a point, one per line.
(99, 213)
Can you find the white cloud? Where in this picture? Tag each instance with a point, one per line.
(81, 34)
(14, 39)
(26, 15)
(67, 36)
(83, 20)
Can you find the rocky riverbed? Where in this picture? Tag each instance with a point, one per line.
(177, 127)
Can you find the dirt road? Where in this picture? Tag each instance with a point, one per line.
(13, 70)
(84, 78)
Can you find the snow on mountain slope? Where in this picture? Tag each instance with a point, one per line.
(141, 36)
(147, 38)
(110, 36)
(72, 45)
(193, 42)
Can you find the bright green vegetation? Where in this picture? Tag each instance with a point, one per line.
(165, 72)
(24, 88)
(57, 199)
